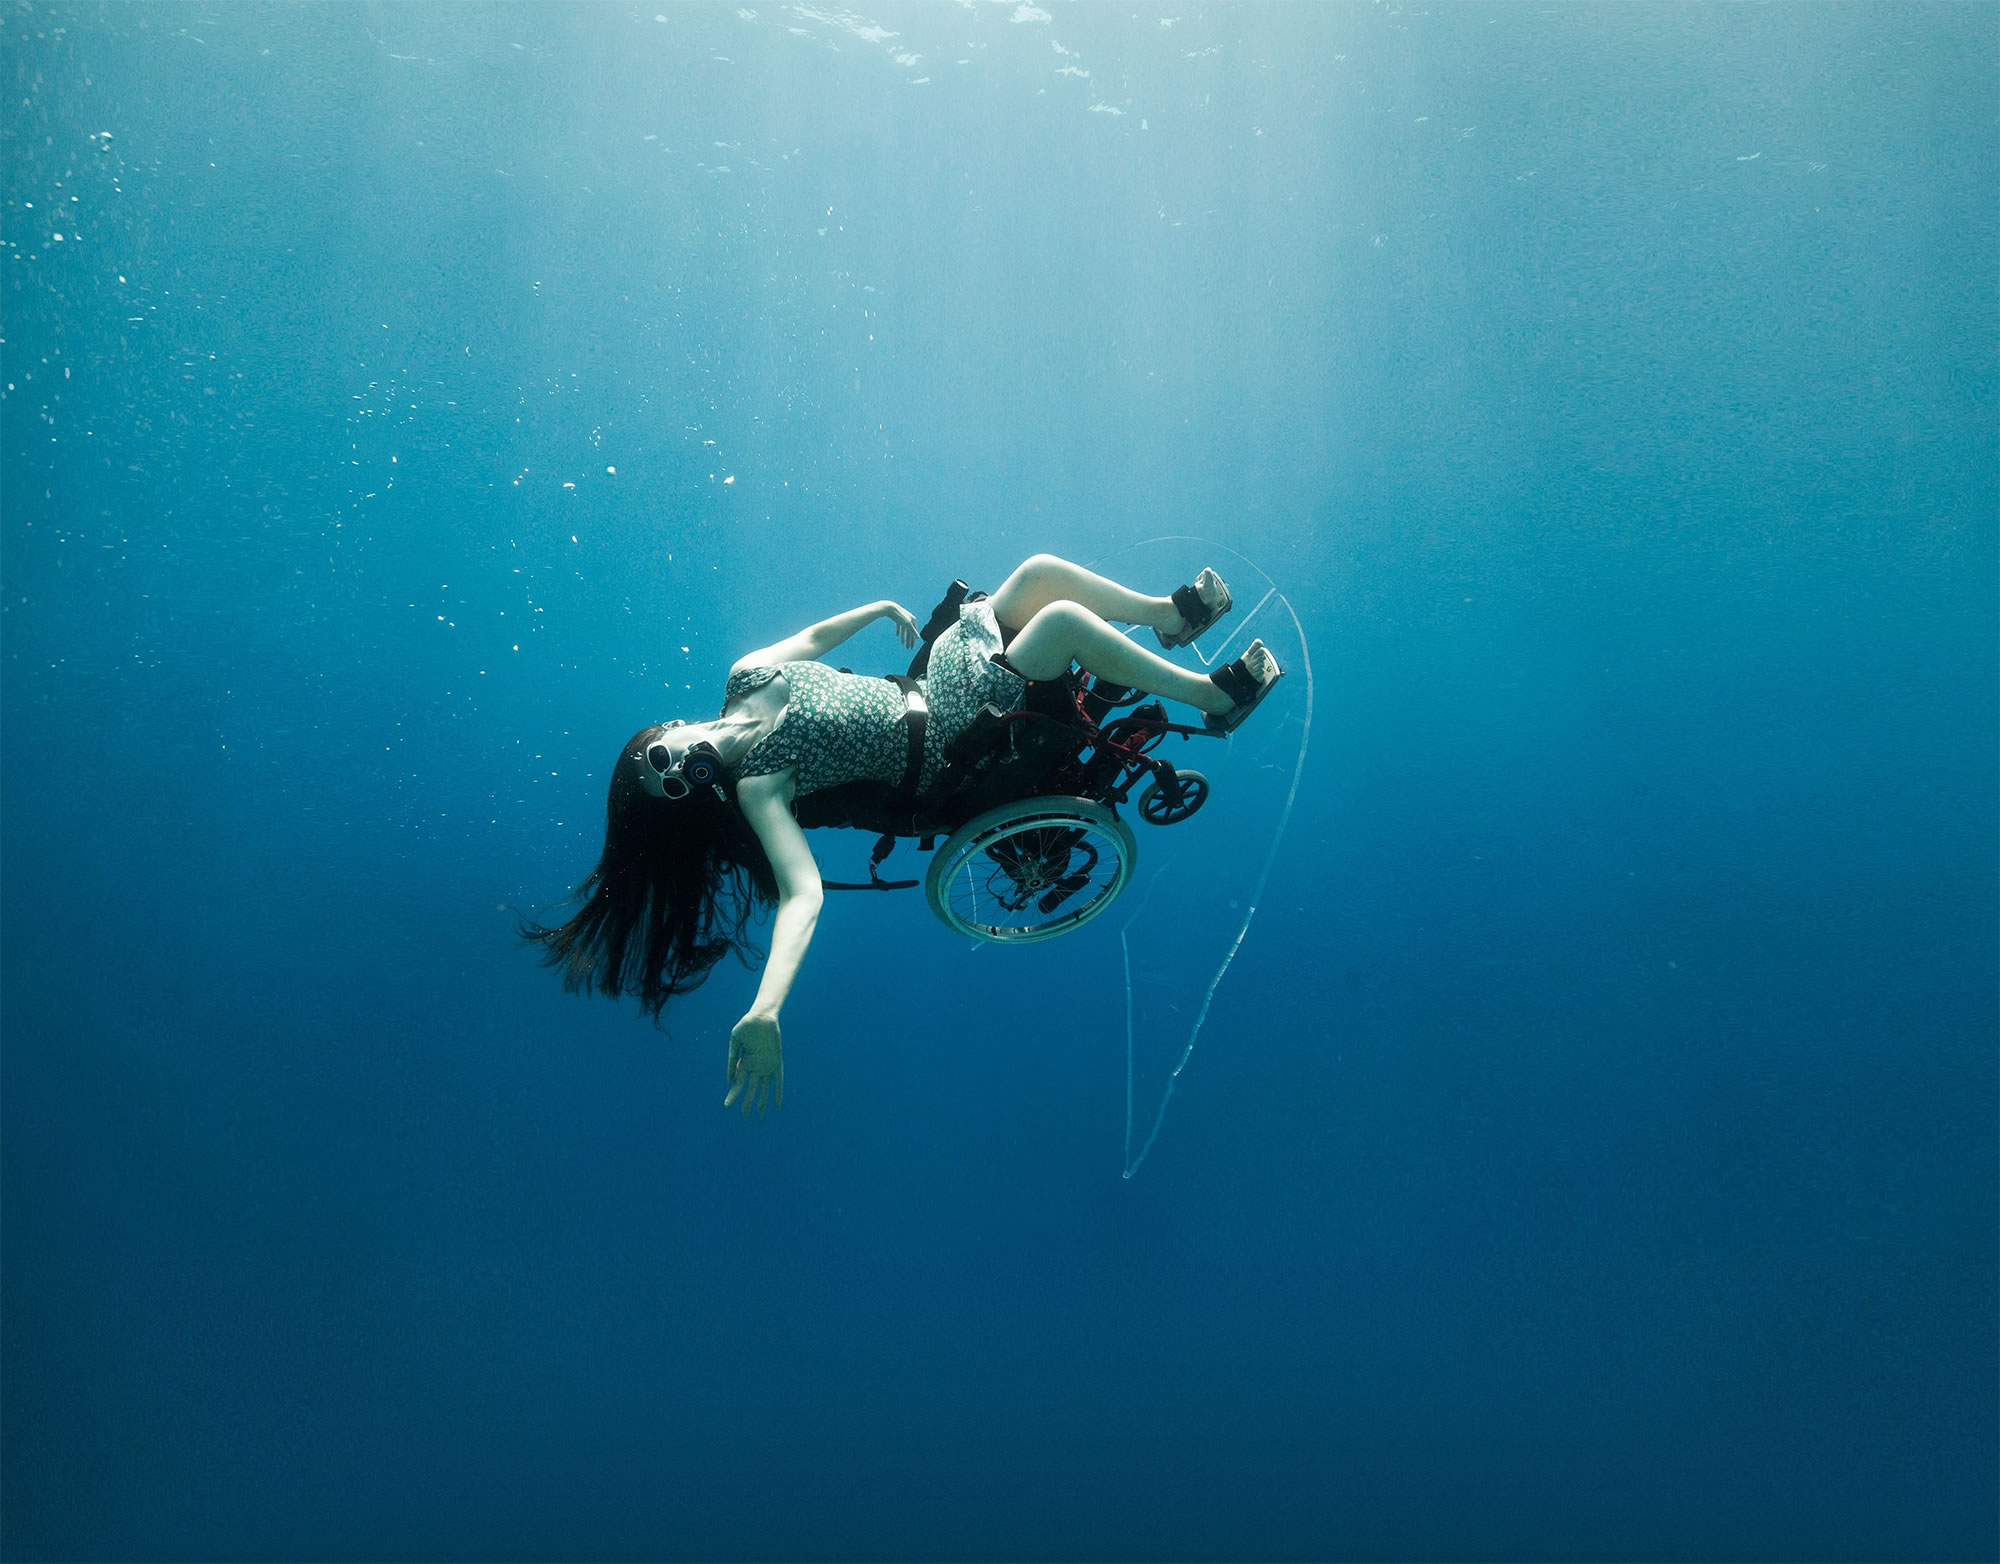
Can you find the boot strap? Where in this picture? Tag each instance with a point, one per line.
(1234, 680)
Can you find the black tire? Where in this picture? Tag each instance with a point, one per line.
(1157, 807)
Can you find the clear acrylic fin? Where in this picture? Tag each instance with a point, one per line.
(1200, 881)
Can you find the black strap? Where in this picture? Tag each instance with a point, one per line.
(903, 802)
(866, 885)
(883, 847)
(916, 715)
(1234, 680)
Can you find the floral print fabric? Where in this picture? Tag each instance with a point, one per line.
(845, 727)
(837, 727)
(961, 678)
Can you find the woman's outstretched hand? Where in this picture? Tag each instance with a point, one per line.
(907, 629)
(756, 1064)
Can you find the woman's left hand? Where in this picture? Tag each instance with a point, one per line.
(907, 629)
(756, 1064)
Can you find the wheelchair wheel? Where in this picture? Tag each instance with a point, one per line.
(1159, 807)
(1031, 870)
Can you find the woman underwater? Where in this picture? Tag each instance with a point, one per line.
(683, 871)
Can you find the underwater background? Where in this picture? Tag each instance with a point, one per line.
(1590, 1151)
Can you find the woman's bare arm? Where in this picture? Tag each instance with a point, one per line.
(817, 640)
(766, 805)
(756, 1062)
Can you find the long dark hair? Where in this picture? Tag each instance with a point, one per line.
(680, 877)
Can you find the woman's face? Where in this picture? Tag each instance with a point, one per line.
(660, 752)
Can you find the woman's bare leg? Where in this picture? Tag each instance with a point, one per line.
(1063, 631)
(1045, 579)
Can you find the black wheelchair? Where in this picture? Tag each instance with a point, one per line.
(1026, 803)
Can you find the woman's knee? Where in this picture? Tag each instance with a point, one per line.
(1037, 578)
(1047, 643)
(1061, 617)
(1035, 581)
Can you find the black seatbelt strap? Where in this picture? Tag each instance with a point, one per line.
(884, 846)
(916, 715)
(903, 802)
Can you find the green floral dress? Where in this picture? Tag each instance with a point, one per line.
(847, 727)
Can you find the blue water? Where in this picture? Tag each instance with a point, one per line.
(1590, 1153)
